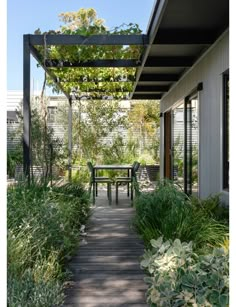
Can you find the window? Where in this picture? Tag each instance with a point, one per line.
(226, 131)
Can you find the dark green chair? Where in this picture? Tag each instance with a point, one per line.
(94, 180)
(129, 180)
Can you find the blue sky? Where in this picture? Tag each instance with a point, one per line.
(25, 16)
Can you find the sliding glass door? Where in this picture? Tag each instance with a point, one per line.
(181, 154)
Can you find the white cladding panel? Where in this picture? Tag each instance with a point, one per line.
(208, 70)
(14, 99)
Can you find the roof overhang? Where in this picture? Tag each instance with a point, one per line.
(179, 33)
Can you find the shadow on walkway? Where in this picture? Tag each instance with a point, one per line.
(106, 269)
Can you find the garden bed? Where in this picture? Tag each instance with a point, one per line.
(43, 228)
(187, 247)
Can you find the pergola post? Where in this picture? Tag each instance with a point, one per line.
(26, 108)
(69, 138)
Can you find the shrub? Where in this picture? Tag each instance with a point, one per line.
(14, 157)
(212, 207)
(26, 292)
(168, 212)
(43, 228)
(179, 277)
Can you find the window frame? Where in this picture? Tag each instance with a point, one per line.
(225, 134)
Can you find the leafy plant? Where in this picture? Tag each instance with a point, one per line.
(144, 120)
(146, 158)
(43, 228)
(14, 157)
(170, 213)
(212, 207)
(46, 149)
(85, 22)
(94, 123)
(28, 292)
(179, 277)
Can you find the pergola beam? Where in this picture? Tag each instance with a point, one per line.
(104, 90)
(178, 61)
(108, 96)
(93, 63)
(88, 79)
(64, 39)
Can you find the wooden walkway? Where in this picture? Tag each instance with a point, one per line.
(106, 267)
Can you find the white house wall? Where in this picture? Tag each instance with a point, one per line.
(208, 70)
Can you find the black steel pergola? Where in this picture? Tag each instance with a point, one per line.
(30, 41)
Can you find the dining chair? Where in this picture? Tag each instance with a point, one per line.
(129, 180)
(94, 180)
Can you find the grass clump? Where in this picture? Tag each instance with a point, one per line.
(186, 259)
(43, 228)
(168, 212)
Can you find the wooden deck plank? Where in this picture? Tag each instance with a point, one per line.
(113, 283)
(107, 305)
(106, 267)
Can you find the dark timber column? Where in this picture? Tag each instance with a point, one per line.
(26, 107)
(69, 138)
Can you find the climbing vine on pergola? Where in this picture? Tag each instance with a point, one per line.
(83, 58)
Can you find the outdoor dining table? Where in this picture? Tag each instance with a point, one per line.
(117, 167)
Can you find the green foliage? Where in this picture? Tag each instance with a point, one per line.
(93, 122)
(43, 228)
(26, 292)
(144, 121)
(14, 157)
(212, 207)
(146, 158)
(170, 213)
(102, 118)
(178, 156)
(81, 175)
(179, 277)
(46, 149)
(85, 23)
